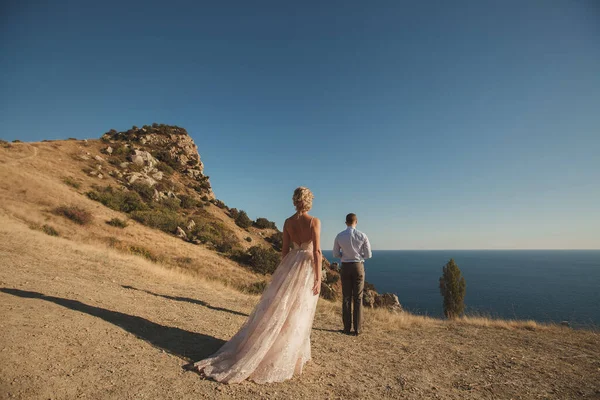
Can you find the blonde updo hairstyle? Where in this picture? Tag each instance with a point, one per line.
(302, 198)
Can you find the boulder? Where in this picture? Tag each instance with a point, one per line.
(190, 225)
(158, 175)
(98, 158)
(143, 158)
(108, 150)
(141, 178)
(181, 233)
(389, 301)
(369, 298)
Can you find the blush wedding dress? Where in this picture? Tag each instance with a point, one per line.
(274, 343)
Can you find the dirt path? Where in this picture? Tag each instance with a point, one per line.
(80, 321)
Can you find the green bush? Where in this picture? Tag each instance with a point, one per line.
(189, 202)
(218, 203)
(171, 203)
(166, 168)
(226, 243)
(263, 223)
(263, 261)
(242, 220)
(116, 222)
(233, 213)
(120, 200)
(276, 240)
(162, 219)
(142, 251)
(248, 239)
(256, 287)
(71, 182)
(145, 191)
(75, 214)
(453, 288)
(47, 229)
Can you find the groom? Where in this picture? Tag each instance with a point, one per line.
(352, 247)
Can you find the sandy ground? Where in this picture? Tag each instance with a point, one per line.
(80, 321)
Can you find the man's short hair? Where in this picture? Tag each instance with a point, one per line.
(351, 219)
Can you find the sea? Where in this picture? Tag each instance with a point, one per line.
(541, 285)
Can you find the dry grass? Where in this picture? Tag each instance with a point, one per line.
(74, 213)
(30, 183)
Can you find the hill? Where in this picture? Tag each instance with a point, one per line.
(97, 311)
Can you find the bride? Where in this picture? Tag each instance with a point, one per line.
(274, 343)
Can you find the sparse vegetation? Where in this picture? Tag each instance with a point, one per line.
(276, 240)
(117, 199)
(453, 288)
(144, 252)
(189, 202)
(263, 223)
(162, 219)
(165, 168)
(248, 239)
(218, 203)
(261, 260)
(75, 214)
(256, 287)
(117, 222)
(71, 182)
(242, 220)
(47, 229)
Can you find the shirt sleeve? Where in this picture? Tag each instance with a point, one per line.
(337, 251)
(366, 249)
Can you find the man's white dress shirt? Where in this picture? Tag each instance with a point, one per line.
(352, 245)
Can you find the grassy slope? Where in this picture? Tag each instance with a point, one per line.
(114, 325)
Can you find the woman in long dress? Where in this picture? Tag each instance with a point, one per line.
(274, 343)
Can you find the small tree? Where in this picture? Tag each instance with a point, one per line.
(242, 220)
(453, 288)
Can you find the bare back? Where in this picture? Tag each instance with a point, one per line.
(300, 228)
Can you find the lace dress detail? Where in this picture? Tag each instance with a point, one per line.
(274, 343)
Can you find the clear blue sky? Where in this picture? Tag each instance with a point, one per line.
(443, 125)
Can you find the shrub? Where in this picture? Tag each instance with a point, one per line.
(263, 223)
(218, 203)
(17, 141)
(116, 222)
(276, 240)
(242, 220)
(120, 200)
(263, 261)
(171, 203)
(47, 229)
(205, 198)
(248, 239)
(256, 287)
(71, 182)
(166, 168)
(145, 191)
(75, 214)
(233, 213)
(162, 219)
(188, 202)
(453, 288)
(142, 251)
(226, 243)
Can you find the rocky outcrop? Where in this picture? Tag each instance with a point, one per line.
(149, 146)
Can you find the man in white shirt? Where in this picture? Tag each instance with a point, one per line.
(352, 247)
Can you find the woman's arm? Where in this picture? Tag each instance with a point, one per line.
(286, 240)
(317, 255)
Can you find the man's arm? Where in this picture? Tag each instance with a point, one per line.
(366, 249)
(337, 250)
